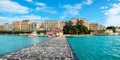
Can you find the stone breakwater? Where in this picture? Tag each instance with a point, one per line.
(52, 49)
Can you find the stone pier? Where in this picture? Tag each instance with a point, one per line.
(52, 49)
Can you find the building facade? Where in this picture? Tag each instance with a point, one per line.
(49, 24)
(38, 26)
(17, 26)
(1, 27)
(25, 25)
(33, 26)
(28, 25)
(100, 27)
(61, 25)
(8, 27)
(86, 23)
(95, 26)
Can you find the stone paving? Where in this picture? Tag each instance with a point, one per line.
(52, 49)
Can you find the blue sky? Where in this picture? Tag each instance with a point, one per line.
(106, 12)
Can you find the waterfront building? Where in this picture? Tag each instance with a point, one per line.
(49, 24)
(61, 25)
(86, 23)
(25, 25)
(17, 26)
(32, 26)
(38, 26)
(8, 26)
(93, 26)
(100, 27)
(1, 26)
(42, 27)
(96, 27)
(28, 25)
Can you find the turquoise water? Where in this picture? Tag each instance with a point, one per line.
(12, 43)
(96, 47)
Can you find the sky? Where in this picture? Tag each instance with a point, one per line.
(105, 12)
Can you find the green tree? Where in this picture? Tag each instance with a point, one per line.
(80, 22)
(68, 27)
(82, 29)
(79, 28)
(74, 30)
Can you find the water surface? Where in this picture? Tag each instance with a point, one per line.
(96, 47)
(10, 43)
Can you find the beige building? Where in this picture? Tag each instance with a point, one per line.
(38, 26)
(28, 25)
(42, 27)
(86, 23)
(17, 26)
(49, 24)
(100, 27)
(61, 25)
(1, 27)
(8, 27)
(25, 25)
(95, 26)
(33, 26)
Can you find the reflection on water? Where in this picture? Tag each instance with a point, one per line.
(35, 41)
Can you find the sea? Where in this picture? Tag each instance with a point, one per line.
(11, 43)
(95, 47)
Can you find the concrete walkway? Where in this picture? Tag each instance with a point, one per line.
(52, 49)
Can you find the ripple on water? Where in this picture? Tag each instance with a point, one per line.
(10, 43)
(96, 47)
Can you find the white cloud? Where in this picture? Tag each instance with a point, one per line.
(103, 7)
(44, 8)
(8, 6)
(29, 1)
(88, 2)
(6, 19)
(113, 15)
(73, 10)
(40, 4)
(31, 17)
(115, 10)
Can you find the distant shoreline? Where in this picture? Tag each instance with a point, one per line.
(69, 35)
(66, 35)
(76, 35)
